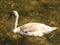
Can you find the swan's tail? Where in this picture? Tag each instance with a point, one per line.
(50, 30)
(54, 28)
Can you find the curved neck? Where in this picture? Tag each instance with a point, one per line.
(14, 26)
(16, 21)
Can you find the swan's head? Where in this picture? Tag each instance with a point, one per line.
(14, 13)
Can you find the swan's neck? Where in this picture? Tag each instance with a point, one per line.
(16, 21)
(14, 26)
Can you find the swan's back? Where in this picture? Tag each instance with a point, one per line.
(32, 26)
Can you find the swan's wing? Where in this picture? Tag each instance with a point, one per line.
(31, 31)
(33, 26)
(30, 27)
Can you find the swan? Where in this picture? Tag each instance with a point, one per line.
(30, 29)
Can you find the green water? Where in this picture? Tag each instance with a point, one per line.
(43, 11)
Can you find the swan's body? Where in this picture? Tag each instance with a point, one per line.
(31, 29)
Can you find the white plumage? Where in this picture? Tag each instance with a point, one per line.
(31, 29)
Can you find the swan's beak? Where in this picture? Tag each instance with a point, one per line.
(11, 14)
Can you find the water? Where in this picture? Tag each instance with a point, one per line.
(43, 11)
